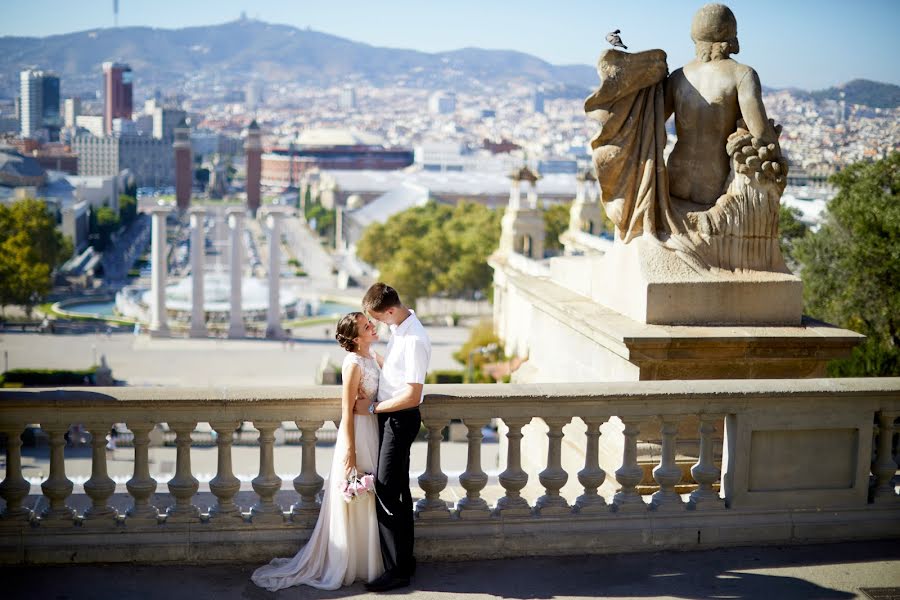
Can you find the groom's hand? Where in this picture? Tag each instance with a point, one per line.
(361, 407)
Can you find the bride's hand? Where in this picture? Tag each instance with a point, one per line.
(349, 462)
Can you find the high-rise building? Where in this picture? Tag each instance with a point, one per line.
(149, 160)
(71, 111)
(442, 103)
(117, 89)
(347, 99)
(39, 105)
(165, 120)
(539, 101)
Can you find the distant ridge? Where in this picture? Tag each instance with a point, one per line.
(248, 48)
(232, 53)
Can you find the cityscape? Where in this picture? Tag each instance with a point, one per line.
(186, 213)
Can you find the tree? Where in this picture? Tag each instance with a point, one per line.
(434, 250)
(107, 221)
(791, 229)
(851, 265)
(30, 249)
(556, 221)
(127, 209)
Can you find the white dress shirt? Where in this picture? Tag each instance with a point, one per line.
(406, 358)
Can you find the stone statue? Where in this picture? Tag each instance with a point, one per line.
(715, 204)
(218, 184)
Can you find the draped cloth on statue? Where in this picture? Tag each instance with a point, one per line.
(738, 233)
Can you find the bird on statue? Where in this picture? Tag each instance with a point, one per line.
(614, 39)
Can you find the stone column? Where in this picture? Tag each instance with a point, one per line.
(57, 487)
(14, 488)
(141, 486)
(236, 315)
(183, 485)
(591, 476)
(273, 317)
(267, 483)
(473, 479)
(433, 480)
(554, 477)
(224, 485)
(629, 475)
(198, 265)
(884, 468)
(159, 267)
(667, 474)
(100, 486)
(514, 478)
(308, 483)
(705, 472)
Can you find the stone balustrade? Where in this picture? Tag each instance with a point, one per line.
(804, 461)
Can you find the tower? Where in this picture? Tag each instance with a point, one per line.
(586, 213)
(183, 167)
(523, 225)
(117, 88)
(253, 148)
(30, 107)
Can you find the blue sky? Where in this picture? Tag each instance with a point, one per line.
(803, 43)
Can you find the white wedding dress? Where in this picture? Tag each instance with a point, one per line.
(345, 545)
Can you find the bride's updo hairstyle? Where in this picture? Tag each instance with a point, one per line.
(347, 331)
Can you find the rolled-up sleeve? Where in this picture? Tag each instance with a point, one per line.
(416, 359)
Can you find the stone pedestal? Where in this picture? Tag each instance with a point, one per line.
(198, 260)
(571, 337)
(159, 268)
(236, 316)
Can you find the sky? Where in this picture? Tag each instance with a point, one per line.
(791, 43)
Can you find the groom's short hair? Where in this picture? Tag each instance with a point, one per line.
(381, 297)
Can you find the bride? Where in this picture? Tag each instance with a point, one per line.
(344, 546)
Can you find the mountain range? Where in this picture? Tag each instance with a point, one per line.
(230, 54)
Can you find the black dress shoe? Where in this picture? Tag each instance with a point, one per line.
(388, 581)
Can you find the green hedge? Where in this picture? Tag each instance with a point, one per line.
(445, 377)
(47, 377)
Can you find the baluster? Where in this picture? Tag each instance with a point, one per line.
(884, 466)
(183, 486)
(224, 485)
(629, 475)
(141, 486)
(14, 488)
(705, 472)
(100, 486)
(433, 480)
(473, 479)
(267, 483)
(667, 474)
(308, 483)
(513, 479)
(57, 487)
(554, 477)
(591, 476)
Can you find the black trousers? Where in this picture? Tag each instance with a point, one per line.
(396, 433)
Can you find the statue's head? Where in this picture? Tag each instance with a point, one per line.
(714, 31)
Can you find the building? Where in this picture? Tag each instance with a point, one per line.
(71, 111)
(338, 149)
(165, 120)
(93, 124)
(118, 94)
(442, 103)
(150, 160)
(347, 99)
(39, 107)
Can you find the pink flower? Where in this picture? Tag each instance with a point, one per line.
(355, 486)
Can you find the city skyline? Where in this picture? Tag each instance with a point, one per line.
(819, 44)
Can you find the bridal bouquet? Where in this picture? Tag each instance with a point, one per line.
(356, 486)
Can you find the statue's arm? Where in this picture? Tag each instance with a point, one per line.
(752, 109)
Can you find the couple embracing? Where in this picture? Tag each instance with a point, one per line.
(363, 535)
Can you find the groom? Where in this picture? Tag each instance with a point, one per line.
(399, 395)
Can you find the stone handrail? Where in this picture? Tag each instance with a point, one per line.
(792, 449)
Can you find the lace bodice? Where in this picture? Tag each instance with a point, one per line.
(370, 373)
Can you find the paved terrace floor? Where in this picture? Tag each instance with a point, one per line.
(834, 571)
